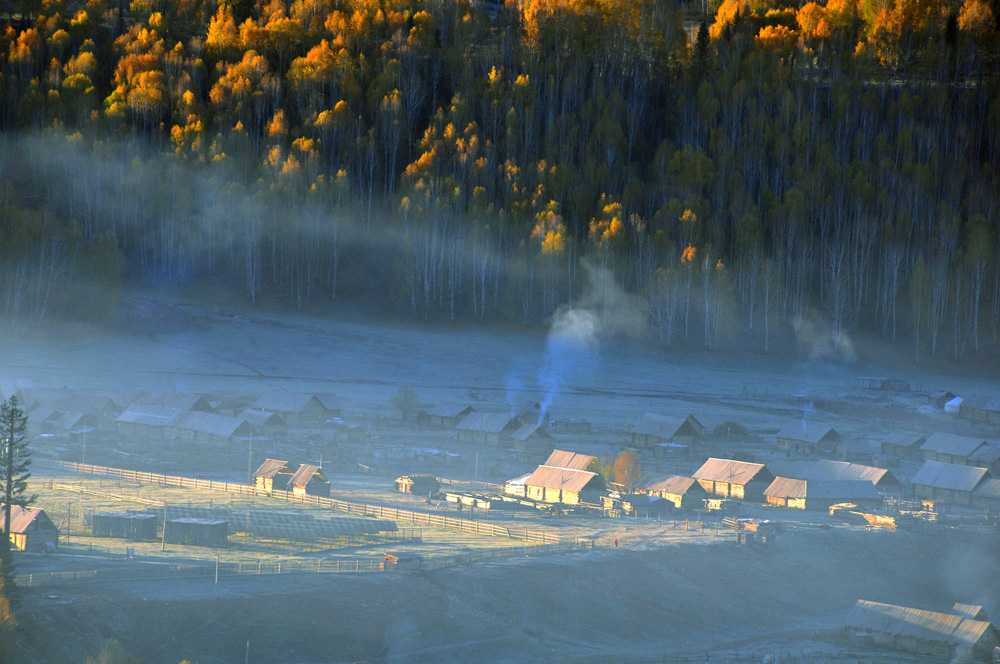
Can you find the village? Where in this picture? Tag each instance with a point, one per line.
(293, 483)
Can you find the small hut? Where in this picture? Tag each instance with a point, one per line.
(654, 429)
(402, 562)
(798, 437)
(420, 484)
(683, 492)
(31, 529)
(273, 475)
(309, 481)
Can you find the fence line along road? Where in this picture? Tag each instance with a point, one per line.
(360, 509)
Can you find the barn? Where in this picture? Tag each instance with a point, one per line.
(734, 479)
(308, 480)
(980, 408)
(814, 439)
(265, 423)
(903, 445)
(197, 532)
(147, 421)
(31, 529)
(655, 429)
(842, 471)
(273, 475)
(944, 635)
(300, 409)
(683, 492)
(530, 435)
(564, 485)
(946, 482)
(199, 427)
(950, 447)
(820, 494)
(486, 428)
(447, 415)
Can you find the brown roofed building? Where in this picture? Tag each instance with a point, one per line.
(683, 492)
(308, 480)
(273, 475)
(947, 482)
(419, 484)
(566, 459)
(31, 529)
(734, 479)
(820, 494)
(564, 485)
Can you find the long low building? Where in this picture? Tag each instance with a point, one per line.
(683, 492)
(820, 494)
(951, 448)
(841, 471)
(947, 482)
(564, 478)
(948, 635)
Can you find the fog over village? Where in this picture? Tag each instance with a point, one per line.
(550, 331)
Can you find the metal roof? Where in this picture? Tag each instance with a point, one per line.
(806, 433)
(676, 485)
(731, 471)
(448, 409)
(571, 460)
(949, 476)
(486, 422)
(903, 439)
(982, 402)
(951, 443)
(786, 487)
(122, 399)
(20, 517)
(210, 423)
(974, 611)
(261, 418)
(844, 471)
(903, 621)
(565, 479)
(528, 430)
(665, 426)
(304, 474)
(986, 454)
(70, 420)
(988, 488)
(178, 400)
(270, 468)
(44, 414)
(150, 415)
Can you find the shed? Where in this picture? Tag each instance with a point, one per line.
(487, 428)
(198, 532)
(530, 435)
(653, 429)
(447, 414)
(272, 475)
(422, 484)
(125, 525)
(42, 420)
(308, 480)
(800, 437)
(903, 445)
(820, 494)
(265, 422)
(516, 486)
(939, 398)
(949, 483)
(734, 479)
(950, 447)
(946, 635)
(683, 492)
(31, 529)
(987, 456)
(402, 562)
(981, 408)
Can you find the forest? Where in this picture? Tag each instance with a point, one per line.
(742, 169)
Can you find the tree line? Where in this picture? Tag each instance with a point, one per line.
(774, 165)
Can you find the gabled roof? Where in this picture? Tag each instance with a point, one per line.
(565, 479)
(21, 518)
(951, 443)
(665, 426)
(261, 418)
(71, 420)
(528, 430)
(676, 485)
(43, 414)
(285, 402)
(210, 423)
(486, 422)
(982, 402)
(178, 400)
(988, 488)
(122, 399)
(924, 625)
(149, 415)
(974, 611)
(987, 454)
(571, 460)
(732, 472)
(327, 400)
(786, 487)
(949, 476)
(807, 433)
(270, 468)
(843, 471)
(304, 474)
(448, 409)
(903, 439)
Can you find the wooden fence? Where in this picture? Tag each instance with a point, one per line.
(360, 509)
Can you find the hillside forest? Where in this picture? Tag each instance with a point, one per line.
(741, 170)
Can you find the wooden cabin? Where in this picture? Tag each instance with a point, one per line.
(31, 529)
(419, 484)
(951, 448)
(821, 494)
(304, 410)
(309, 481)
(734, 479)
(273, 475)
(487, 428)
(447, 415)
(947, 483)
(683, 492)
(800, 438)
(655, 429)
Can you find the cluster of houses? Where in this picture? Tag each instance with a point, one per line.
(173, 416)
(524, 429)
